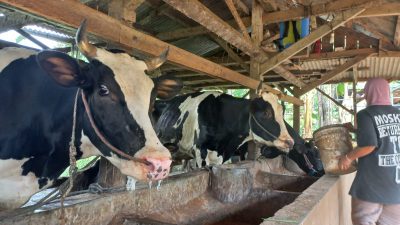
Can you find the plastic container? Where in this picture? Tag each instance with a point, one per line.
(333, 141)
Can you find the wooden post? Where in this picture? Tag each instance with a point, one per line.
(296, 114)
(355, 79)
(256, 36)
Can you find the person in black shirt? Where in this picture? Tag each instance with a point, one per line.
(376, 188)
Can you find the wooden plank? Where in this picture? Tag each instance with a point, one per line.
(311, 38)
(296, 113)
(396, 38)
(328, 76)
(388, 9)
(71, 13)
(334, 101)
(201, 14)
(238, 20)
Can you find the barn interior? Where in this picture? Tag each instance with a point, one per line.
(221, 45)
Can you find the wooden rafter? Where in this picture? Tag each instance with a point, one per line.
(334, 55)
(396, 38)
(238, 20)
(311, 38)
(202, 15)
(71, 13)
(334, 101)
(388, 9)
(333, 73)
(242, 6)
(313, 10)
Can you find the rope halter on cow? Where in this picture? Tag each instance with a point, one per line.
(101, 136)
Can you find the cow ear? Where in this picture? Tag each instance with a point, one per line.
(167, 86)
(61, 67)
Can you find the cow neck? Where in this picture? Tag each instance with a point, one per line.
(101, 136)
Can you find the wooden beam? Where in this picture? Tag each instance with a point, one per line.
(71, 13)
(328, 76)
(396, 38)
(311, 38)
(388, 9)
(201, 14)
(313, 10)
(238, 20)
(242, 6)
(334, 101)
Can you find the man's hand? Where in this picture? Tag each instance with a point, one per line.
(349, 127)
(344, 162)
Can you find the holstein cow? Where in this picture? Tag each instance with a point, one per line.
(113, 95)
(216, 123)
(304, 154)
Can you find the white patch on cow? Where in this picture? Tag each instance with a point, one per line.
(190, 128)
(15, 189)
(136, 87)
(87, 147)
(213, 158)
(11, 54)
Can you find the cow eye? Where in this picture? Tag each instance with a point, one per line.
(103, 90)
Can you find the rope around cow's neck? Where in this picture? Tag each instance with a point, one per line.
(260, 126)
(101, 136)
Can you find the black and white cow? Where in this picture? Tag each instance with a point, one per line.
(37, 96)
(211, 123)
(304, 154)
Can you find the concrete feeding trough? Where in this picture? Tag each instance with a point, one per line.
(236, 194)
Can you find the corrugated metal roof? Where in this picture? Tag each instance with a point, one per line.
(387, 67)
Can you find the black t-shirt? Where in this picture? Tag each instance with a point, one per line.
(378, 175)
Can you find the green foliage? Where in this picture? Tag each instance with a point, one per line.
(81, 163)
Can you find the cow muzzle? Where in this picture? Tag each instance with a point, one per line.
(158, 169)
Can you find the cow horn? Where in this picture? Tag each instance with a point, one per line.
(82, 42)
(156, 62)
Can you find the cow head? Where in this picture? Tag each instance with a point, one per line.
(119, 94)
(266, 122)
(309, 161)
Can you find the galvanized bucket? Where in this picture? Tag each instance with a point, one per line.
(333, 141)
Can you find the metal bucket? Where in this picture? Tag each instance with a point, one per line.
(333, 141)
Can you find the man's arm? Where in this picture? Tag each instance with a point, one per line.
(358, 152)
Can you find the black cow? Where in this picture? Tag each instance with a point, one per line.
(216, 123)
(37, 96)
(305, 154)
